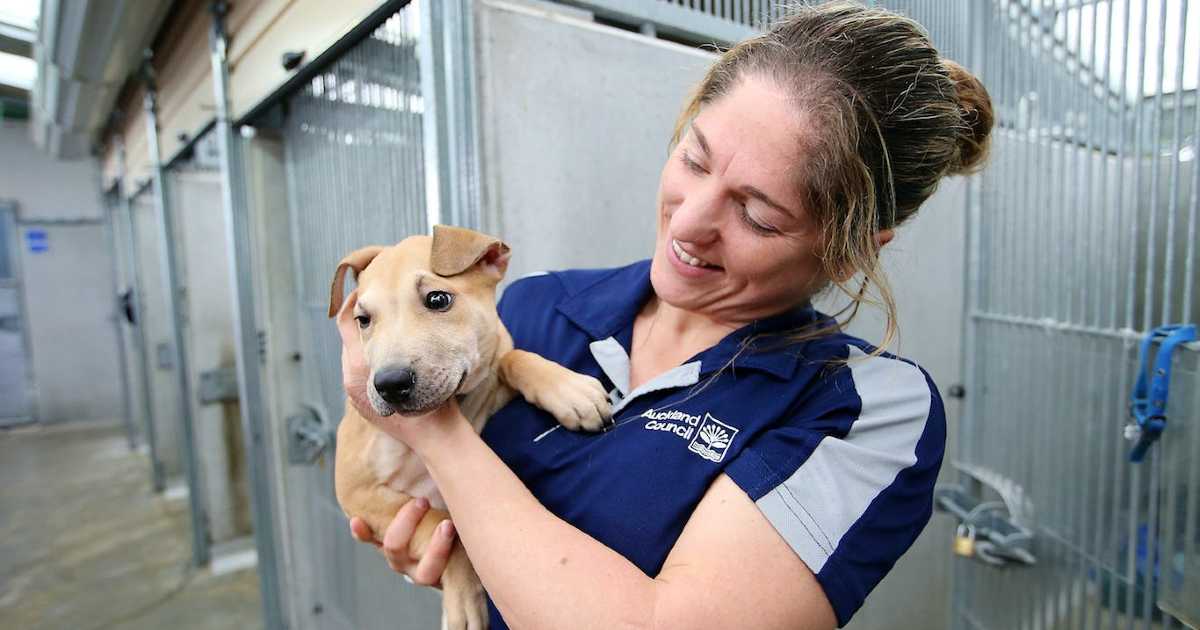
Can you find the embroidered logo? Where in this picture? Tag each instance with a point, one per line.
(712, 439)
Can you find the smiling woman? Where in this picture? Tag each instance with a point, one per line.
(759, 452)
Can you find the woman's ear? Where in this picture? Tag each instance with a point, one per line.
(883, 237)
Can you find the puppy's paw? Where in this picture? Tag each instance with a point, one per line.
(577, 401)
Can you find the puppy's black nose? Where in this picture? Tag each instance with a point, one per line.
(395, 385)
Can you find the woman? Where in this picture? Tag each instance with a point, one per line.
(766, 470)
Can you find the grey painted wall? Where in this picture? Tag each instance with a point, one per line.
(46, 189)
(68, 290)
(574, 142)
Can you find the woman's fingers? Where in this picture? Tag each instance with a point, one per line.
(400, 532)
(429, 570)
(362, 532)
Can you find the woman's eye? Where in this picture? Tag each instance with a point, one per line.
(438, 301)
(691, 164)
(764, 230)
(363, 320)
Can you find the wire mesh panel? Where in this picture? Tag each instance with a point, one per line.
(354, 163)
(1083, 240)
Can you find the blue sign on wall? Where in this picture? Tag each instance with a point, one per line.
(38, 241)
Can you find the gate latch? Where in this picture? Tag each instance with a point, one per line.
(308, 435)
(1148, 402)
(218, 385)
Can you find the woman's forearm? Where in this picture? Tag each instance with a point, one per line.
(541, 572)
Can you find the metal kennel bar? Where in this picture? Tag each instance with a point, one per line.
(132, 273)
(720, 21)
(1082, 240)
(247, 338)
(112, 205)
(176, 350)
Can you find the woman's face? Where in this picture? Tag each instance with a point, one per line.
(734, 241)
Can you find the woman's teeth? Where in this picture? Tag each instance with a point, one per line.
(688, 258)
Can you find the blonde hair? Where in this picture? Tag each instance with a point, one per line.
(894, 118)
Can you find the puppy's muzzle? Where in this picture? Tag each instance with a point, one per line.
(396, 386)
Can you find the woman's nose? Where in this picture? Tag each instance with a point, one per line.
(699, 218)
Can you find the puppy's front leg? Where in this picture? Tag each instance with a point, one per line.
(576, 400)
(464, 605)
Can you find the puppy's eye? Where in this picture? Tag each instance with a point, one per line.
(363, 320)
(438, 301)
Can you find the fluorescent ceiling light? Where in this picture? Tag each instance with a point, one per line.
(22, 13)
(17, 71)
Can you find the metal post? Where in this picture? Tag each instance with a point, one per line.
(246, 335)
(178, 350)
(110, 229)
(157, 474)
(452, 188)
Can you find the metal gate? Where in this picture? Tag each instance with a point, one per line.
(1083, 232)
(16, 406)
(155, 331)
(352, 147)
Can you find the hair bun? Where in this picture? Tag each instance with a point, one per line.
(978, 117)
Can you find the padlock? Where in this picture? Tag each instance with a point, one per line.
(964, 541)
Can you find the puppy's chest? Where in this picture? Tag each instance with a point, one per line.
(394, 464)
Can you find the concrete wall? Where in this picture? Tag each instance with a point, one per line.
(573, 144)
(68, 289)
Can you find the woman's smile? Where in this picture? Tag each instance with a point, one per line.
(689, 265)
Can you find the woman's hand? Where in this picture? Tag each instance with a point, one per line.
(355, 370)
(428, 570)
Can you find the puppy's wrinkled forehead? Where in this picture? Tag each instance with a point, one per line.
(396, 263)
(407, 266)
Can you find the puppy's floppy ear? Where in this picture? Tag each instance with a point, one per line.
(356, 260)
(456, 250)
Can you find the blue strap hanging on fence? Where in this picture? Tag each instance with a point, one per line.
(1148, 402)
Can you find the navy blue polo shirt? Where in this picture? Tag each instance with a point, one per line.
(840, 457)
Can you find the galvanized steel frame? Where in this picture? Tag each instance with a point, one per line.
(112, 201)
(453, 183)
(1076, 308)
(140, 340)
(201, 539)
(252, 402)
(724, 22)
(8, 213)
(354, 140)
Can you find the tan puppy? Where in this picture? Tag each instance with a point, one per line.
(426, 311)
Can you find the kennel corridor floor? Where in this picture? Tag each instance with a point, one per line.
(86, 545)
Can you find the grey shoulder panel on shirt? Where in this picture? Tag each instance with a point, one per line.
(815, 507)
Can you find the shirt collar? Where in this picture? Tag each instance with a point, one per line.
(611, 304)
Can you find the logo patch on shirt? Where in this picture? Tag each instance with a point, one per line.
(713, 439)
(707, 437)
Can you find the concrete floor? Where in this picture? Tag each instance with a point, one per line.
(85, 544)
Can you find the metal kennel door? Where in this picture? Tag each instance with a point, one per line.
(1082, 240)
(354, 162)
(16, 405)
